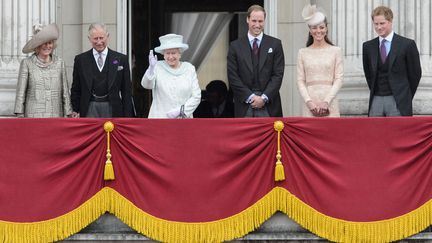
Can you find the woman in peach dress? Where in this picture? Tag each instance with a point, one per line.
(319, 68)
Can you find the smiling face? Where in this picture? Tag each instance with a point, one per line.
(256, 22)
(318, 32)
(172, 57)
(98, 37)
(46, 49)
(382, 26)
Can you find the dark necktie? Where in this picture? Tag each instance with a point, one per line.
(255, 46)
(383, 51)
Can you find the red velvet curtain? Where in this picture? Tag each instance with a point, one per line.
(202, 170)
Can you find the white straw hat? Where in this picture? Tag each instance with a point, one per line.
(171, 41)
(41, 35)
(312, 16)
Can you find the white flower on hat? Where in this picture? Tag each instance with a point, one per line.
(36, 28)
(312, 16)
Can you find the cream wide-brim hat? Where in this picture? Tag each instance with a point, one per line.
(312, 16)
(45, 34)
(171, 41)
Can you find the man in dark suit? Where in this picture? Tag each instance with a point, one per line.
(217, 103)
(101, 84)
(391, 64)
(256, 66)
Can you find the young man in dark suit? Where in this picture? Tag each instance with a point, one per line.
(101, 84)
(391, 64)
(256, 66)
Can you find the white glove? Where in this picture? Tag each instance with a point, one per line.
(173, 113)
(152, 62)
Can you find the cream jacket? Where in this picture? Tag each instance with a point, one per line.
(42, 91)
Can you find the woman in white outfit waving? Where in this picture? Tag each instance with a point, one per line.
(176, 93)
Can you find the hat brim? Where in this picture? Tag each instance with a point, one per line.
(48, 33)
(162, 48)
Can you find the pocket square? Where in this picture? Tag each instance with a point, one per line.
(270, 50)
(119, 68)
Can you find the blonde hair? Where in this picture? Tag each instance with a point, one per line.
(383, 11)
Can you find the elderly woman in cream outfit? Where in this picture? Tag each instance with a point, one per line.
(176, 93)
(42, 88)
(319, 68)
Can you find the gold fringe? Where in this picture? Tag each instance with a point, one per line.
(58, 228)
(220, 230)
(215, 231)
(348, 231)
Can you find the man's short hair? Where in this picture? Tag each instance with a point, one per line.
(217, 86)
(383, 11)
(97, 26)
(255, 7)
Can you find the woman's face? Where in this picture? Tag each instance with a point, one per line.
(318, 32)
(172, 57)
(46, 48)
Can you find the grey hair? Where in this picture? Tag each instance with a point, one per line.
(97, 26)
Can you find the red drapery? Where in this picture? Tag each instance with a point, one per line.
(351, 171)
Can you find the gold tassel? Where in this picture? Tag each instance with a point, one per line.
(109, 168)
(279, 172)
(279, 169)
(109, 171)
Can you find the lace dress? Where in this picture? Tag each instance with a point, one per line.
(319, 76)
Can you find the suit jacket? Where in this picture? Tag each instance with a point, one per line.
(271, 71)
(119, 82)
(404, 70)
(204, 110)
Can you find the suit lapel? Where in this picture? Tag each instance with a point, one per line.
(88, 62)
(264, 48)
(246, 52)
(375, 54)
(112, 64)
(393, 50)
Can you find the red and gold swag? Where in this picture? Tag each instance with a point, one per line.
(212, 180)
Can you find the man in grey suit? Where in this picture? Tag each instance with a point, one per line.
(256, 66)
(391, 64)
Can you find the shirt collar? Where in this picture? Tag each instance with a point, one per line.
(104, 52)
(259, 37)
(388, 38)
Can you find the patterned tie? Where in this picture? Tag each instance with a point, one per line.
(255, 46)
(100, 61)
(383, 51)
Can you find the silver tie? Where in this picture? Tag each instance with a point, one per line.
(100, 61)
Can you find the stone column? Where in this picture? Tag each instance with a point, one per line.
(351, 25)
(293, 33)
(17, 19)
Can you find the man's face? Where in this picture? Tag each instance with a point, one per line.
(256, 23)
(99, 39)
(382, 26)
